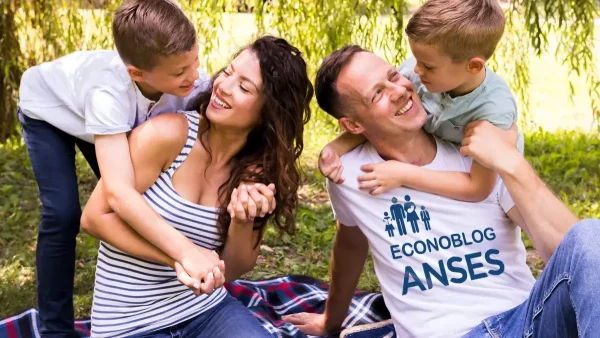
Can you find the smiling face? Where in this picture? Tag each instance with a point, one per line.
(438, 72)
(237, 97)
(173, 75)
(383, 101)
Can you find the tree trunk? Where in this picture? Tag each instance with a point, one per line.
(10, 72)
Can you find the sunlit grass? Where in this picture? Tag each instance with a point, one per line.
(569, 162)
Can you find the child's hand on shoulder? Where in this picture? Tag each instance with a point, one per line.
(330, 165)
(383, 176)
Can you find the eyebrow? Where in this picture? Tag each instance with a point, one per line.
(245, 78)
(180, 69)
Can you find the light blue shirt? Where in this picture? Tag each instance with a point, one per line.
(448, 116)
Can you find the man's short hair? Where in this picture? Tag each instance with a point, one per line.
(146, 30)
(462, 29)
(328, 97)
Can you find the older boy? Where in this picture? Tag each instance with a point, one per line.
(92, 99)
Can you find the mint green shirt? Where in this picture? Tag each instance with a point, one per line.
(448, 116)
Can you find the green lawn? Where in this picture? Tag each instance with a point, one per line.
(569, 161)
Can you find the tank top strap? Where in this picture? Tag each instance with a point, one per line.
(193, 124)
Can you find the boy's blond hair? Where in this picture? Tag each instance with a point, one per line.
(461, 29)
(146, 30)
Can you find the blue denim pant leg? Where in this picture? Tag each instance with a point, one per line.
(169, 332)
(52, 156)
(228, 319)
(565, 299)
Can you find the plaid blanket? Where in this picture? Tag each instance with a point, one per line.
(267, 299)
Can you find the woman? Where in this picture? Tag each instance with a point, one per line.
(411, 214)
(217, 176)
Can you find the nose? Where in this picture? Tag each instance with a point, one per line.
(224, 85)
(418, 70)
(398, 91)
(193, 75)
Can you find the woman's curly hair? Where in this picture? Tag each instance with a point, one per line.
(275, 144)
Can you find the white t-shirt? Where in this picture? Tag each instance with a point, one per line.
(465, 263)
(90, 93)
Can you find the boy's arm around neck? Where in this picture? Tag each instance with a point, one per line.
(345, 142)
(499, 108)
(119, 184)
(475, 186)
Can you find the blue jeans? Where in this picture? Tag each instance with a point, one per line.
(565, 299)
(564, 302)
(228, 319)
(52, 155)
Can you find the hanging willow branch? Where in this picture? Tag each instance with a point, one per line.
(34, 31)
(573, 22)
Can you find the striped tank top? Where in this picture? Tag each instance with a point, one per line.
(133, 296)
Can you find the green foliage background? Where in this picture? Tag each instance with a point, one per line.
(40, 30)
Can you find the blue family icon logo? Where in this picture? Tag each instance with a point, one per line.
(404, 214)
(450, 269)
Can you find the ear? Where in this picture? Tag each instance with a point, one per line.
(351, 125)
(475, 65)
(135, 73)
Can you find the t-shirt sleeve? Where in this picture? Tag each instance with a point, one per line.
(339, 205)
(107, 111)
(499, 106)
(500, 109)
(504, 198)
(500, 114)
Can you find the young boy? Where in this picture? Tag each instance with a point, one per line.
(451, 40)
(93, 99)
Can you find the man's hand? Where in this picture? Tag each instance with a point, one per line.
(492, 147)
(381, 177)
(330, 165)
(309, 323)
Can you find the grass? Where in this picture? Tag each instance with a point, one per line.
(569, 161)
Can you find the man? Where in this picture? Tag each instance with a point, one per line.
(466, 274)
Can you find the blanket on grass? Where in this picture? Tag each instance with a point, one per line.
(267, 299)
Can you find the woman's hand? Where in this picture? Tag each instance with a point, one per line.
(249, 201)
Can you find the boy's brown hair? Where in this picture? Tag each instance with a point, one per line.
(146, 30)
(461, 29)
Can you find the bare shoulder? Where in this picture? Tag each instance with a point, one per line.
(162, 136)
